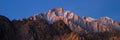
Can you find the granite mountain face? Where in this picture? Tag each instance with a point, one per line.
(74, 22)
(59, 24)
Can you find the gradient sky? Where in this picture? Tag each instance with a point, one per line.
(16, 9)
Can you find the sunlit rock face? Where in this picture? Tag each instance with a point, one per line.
(74, 21)
(59, 24)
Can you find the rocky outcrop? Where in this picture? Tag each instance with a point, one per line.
(59, 24)
(6, 29)
(72, 20)
(41, 30)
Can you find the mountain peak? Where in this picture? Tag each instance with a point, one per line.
(60, 10)
(105, 17)
(106, 20)
(58, 23)
(73, 20)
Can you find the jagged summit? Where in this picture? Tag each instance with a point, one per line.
(74, 21)
(59, 13)
(59, 24)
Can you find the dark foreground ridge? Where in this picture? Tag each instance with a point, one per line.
(41, 29)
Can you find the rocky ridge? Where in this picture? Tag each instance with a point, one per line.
(74, 21)
(59, 24)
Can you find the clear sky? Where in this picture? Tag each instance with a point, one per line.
(16, 9)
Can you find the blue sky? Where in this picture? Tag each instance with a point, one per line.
(16, 9)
